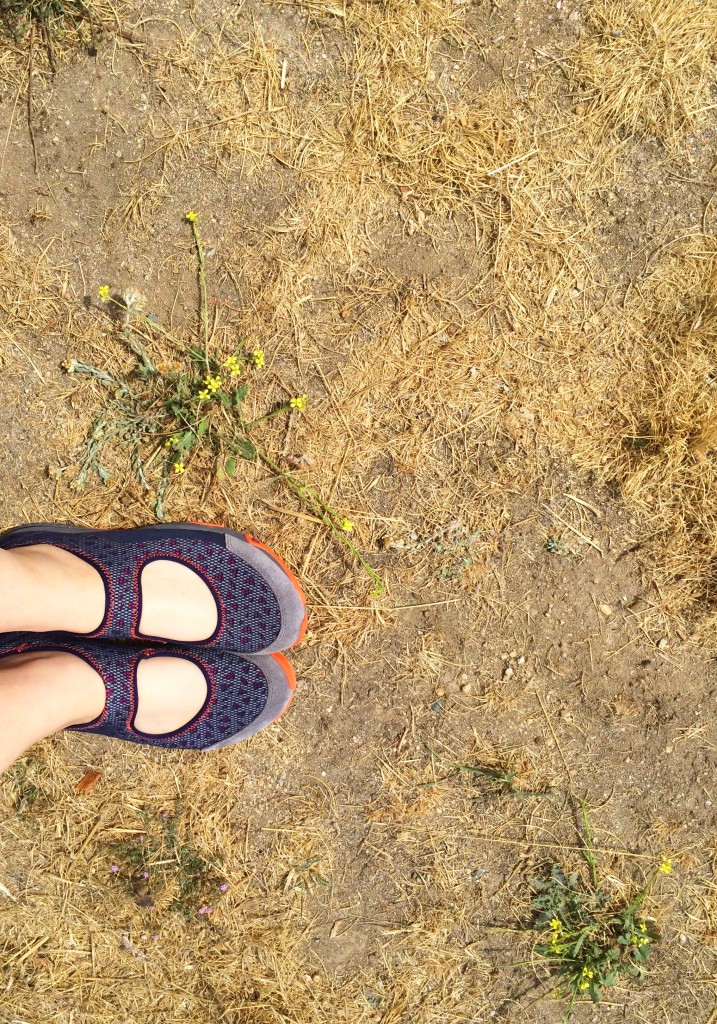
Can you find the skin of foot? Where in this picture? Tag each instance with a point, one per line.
(44, 692)
(45, 588)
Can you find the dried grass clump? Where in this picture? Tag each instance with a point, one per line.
(647, 65)
(661, 441)
(29, 290)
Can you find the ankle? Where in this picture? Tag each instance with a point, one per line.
(44, 588)
(60, 688)
(18, 592)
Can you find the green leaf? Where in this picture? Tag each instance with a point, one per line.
(246, 449)
(239, 396)
(579, 944)
(186, 440)
(202, 426)
(230, 466)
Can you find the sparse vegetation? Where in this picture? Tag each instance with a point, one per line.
(193, 403)
(480, 238)
(162, 871)
(590, 941)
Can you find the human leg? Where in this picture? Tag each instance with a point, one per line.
(169, 697)
(180, 582)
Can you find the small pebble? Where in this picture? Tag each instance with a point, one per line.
(521, 660)
(606, 609)
(669, 749)
(466, 688)
(663, 644)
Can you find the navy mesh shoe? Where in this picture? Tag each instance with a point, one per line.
(244, 694)
(260, 606)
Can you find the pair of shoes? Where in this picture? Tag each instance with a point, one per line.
(260, 612)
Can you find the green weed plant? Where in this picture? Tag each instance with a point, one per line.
(168, 414)
(587, 938)
(162, 858)
(50, 17)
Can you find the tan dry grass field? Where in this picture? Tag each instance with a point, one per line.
(482, 238)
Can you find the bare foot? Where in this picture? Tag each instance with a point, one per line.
(43, 692)
(45, 588)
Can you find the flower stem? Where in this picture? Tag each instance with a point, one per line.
(202, 290)
(323, 511)
(267, 416)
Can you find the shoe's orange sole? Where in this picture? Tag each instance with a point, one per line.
(291, 680)
(280, 562)
(292, 577)
(287, 667)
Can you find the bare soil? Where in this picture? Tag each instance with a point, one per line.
(521, 627)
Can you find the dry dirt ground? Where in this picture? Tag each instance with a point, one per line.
(479, 238)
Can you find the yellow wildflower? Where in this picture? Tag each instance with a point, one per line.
(212, 384)
(233, 364)
(585, 975)
(179, 467)
(666, 866)
(203, 395)
(191, 217)
(346, 525)
(642, 926)
(556, 924)
(257, 358)
(104, 293)
(299, 403)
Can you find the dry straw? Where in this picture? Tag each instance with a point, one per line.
(418, 252)
(647, 65)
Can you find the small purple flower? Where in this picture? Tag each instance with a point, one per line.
(223, 887)
(114, 869)
(155, 938)
(145, 874)
(205, 910)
